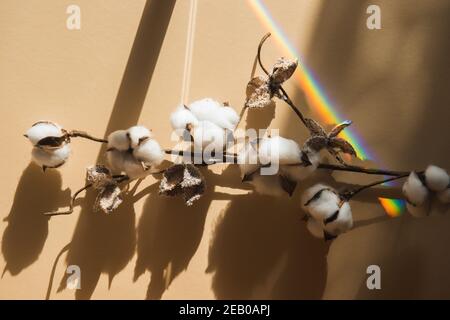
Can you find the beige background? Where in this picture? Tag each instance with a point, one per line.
(125, 66)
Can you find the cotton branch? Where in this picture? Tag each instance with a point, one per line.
(285, 97)
(82, 134)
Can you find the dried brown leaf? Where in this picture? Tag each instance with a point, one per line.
(315, 128)
(282, 70)
(342, 146)
(338, 128)
(258, 93)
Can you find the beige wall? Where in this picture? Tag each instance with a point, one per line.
(125, 66)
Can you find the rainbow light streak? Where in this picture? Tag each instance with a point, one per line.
(317, 98)
(312, 89)
(393, 207)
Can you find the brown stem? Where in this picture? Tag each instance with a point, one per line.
(82, 134)
(350, 194)
(285, 96)
(72, 203)
(351, 168)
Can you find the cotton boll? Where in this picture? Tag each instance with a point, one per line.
(342, 223)
(137, 134)
(414, 190)
(149, 152)
(315, 228)
(119, 140)
(115, 160)
(43, 129)
(417, 211)
(324, 207)
(267, 185)
(444, 196)
(231, 116)
(299, 173)
(205, 109)
(208, 134)
(322, 203)
(309, 193)
(134, 168)
(436, 178)
(181, 117)
(50, 158)
(279, 150)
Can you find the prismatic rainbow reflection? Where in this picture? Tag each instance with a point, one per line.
(317, 97)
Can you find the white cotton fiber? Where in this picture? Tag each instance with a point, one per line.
(138, 134)
(414, 190)
(231, 116)
(267, 185)
(119, 140)
(50, 158)
(299, 173)
(209, 135)
(115, 160)
(322, 207)
(133, 168)
(310, 192)
(343, 222)
(181, 117)
(205, 109)
(279, 150)
(417, 211)
(43, 129)
(149, 152)
(436, 178)
(444, 196)
(210, 110)
(248, 158)
(314, 228)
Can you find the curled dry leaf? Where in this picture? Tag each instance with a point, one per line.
(110, 194)
(261, 90)
(183, 180)
(282, 70)
(109, 198)
(258, 93)
(321, 140)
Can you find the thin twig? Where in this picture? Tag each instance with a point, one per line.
(72, 203)
(350, 194)
(83, 134)
(352, 168)
(285, 96)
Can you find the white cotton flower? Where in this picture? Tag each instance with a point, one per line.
(50, 158)
(205, 109)
(299, 173)
(149, 152)
(208, 134)
(321, 202)
(414, 190)
(436, 178)
(137, 134)
(133, 168)
(279, 150)
(342, 222)
(315, 228)
(210, 110)
(444, 196)
(43, 129)
(116, 160)
(181, 118)
(119, 140)
(231, 117)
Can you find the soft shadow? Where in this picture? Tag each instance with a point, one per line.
(169, 232)
(106, 243)
(262, 250)
(27, 230)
